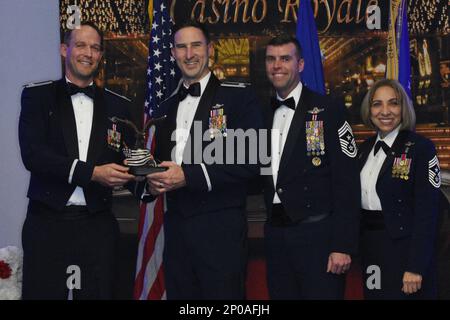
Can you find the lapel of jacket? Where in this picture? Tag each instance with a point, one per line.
(201, 114)
(205, 104)
(297, 126)
(99, 127)
(397, 148)
(69, 126)
(365, 151)
(170, 124)
(193, 153)
(268, 123)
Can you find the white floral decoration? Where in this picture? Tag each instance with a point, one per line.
(11, 287)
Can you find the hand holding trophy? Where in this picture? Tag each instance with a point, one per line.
(139, 159)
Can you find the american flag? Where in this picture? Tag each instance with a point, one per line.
(162, 75)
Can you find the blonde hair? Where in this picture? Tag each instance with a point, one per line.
(408, 115)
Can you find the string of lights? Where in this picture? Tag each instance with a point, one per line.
(118, 17)
(129, 17)
(427, 16)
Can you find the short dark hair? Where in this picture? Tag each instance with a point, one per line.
(68, 33)
(193, 24)
(285, 39)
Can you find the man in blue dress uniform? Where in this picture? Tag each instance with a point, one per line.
(312, 194)
(205, 224)
(73, 152)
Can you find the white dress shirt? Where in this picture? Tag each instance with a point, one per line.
(370, 171)
(280, 128)
(185, 116)
(83, 108)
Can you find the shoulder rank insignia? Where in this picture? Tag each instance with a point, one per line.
(347, 141)
(434, 172)
(37, 84)
(118, 95)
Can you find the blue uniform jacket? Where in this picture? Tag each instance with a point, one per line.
(48, 144)
(228, 180)
(410, 206)
(330, 185)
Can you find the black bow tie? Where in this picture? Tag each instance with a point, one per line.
(290, 103)
(74, 89)
(193, 90)
(381, 144)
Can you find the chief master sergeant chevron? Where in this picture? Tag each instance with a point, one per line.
(205, 224)
(72, 150)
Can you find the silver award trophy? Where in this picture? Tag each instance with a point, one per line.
(139, 159)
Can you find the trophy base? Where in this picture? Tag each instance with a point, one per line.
(145, 170)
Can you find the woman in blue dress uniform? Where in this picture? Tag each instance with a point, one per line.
(400, 180)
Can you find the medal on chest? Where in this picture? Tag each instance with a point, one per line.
(315, 141)
(402, 165)
(114, 138)
(217, 121)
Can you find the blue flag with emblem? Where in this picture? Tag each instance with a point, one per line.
(312, 75)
